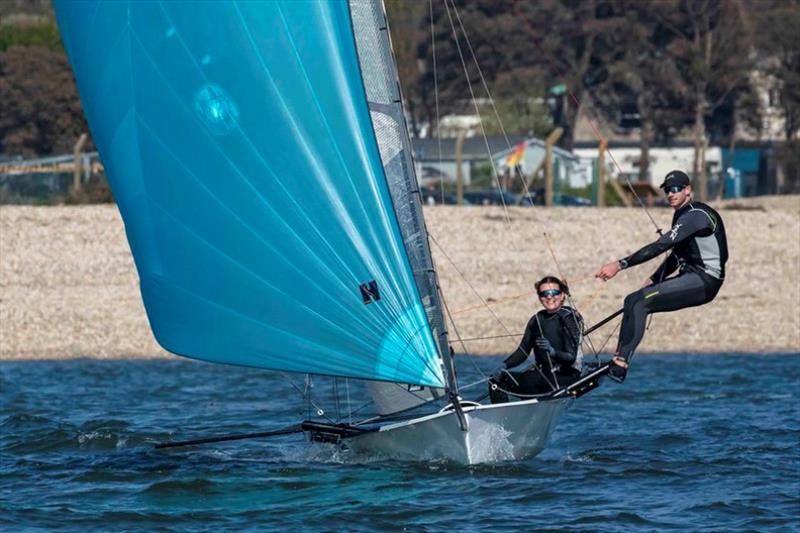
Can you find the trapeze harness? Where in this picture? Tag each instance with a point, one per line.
(699, 252)
(563, 329)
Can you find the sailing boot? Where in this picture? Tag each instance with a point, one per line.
(618, 369)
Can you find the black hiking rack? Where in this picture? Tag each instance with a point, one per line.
(330, 433)
(587, 383)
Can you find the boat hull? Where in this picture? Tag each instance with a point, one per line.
(503, 432)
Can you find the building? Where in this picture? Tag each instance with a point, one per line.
(435, 160)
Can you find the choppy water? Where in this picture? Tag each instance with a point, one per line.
(688, 442)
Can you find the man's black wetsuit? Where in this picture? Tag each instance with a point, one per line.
(563, 329)
(699, 252)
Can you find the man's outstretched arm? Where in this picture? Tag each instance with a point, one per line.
(685, 227)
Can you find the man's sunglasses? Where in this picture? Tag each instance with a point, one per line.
(674, 189)
(549, 293)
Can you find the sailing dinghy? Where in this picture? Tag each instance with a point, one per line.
(259, 156)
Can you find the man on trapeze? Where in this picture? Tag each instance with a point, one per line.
(699, 250)
(554, 335)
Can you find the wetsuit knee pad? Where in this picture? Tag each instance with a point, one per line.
(632, 299)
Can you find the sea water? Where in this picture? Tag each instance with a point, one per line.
(687, 442)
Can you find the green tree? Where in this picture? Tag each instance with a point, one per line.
(407, 21)
(778, 45)
(26, 30)
(630, 46)
(526, 116)
(712, 44)
(561, 37)
(779, 55)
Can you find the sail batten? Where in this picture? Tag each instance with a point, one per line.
(239, 145)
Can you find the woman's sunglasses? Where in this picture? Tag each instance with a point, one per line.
(549, 293)
(674, 189)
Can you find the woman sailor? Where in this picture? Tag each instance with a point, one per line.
(554, 335)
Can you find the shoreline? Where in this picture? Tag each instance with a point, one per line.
(167, 356)
(69, 289)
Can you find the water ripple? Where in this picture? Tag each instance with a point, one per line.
(671, 449)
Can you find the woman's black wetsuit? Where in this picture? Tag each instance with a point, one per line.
(563, 329)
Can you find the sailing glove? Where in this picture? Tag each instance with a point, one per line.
(543, 344)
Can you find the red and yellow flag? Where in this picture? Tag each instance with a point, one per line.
(516, 156)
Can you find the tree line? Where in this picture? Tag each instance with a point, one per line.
(681, 68)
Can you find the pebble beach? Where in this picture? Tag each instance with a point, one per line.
(69, 288)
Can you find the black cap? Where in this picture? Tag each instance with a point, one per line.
(675, 177)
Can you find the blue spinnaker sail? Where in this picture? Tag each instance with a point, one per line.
(240, 150)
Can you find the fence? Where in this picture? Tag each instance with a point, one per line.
(48, 180)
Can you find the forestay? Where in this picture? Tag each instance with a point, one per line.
(239, 144)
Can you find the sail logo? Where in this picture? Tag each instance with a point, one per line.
(216, 109)
(369, 292)
(673, 233)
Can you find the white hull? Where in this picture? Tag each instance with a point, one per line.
(503, 432)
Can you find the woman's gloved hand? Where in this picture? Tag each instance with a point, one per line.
(543, 344)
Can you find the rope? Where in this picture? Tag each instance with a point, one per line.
(307, 395)
(349, 409)
(477, 111)
(436, 98)
(336, 399)
(552, 371)
(458, 335)
(464, 278)
(572, 304)
(517, 171)
(494, 302)
(484, 303)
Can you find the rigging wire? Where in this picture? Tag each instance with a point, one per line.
(436, 99)
(455, 328)
(592, 123)
(484, 303)
(517, 170)
(574, 307)
(488, 150)
(494, 302)
(336, 399)
(549, 59)
(306, 394)
(507, 299)
(464, 278)
(349, 406)
(477, 111)
(487, 307)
